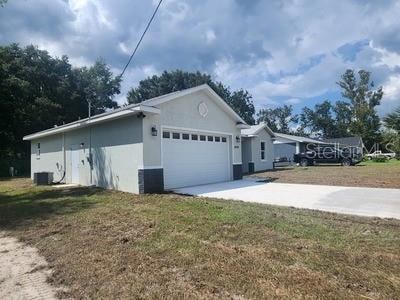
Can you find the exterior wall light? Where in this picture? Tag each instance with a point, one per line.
(154, 131)
(237, 139)
(82, 144)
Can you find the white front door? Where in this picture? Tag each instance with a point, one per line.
(74, 164)
(192, 158)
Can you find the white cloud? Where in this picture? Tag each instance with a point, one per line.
(278, 50)
(392, 89)
(131, 79)
(210, 36)
(293, 101)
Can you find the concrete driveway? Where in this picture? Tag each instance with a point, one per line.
(373, 202)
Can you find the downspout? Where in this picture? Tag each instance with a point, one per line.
(64, 158)
(63, 166)
(90, 145)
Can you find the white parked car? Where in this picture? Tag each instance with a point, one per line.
(379, 153)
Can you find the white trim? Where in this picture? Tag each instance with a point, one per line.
(149, 167)
(297, 147)
(243, 126)
(120, 113)
(294, 138)
(260, 126)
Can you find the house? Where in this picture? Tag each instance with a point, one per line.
(351, 141)
(257, 148)
(286, 145)
(184, 138)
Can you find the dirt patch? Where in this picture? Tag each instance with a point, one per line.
(23, 272)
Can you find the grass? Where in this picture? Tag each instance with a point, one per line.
(108, 244)
(366, 174)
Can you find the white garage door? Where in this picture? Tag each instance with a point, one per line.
(191, 158)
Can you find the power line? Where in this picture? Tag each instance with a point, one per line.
(141, 38)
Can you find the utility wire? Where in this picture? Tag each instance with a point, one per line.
(141, 38)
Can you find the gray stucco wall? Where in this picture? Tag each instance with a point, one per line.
(285, 150)
(183, 114)
(267, 163)
(50, 158)
(117, 153)
(246, 153)
(122, 148)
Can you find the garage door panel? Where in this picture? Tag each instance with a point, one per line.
(189, 162)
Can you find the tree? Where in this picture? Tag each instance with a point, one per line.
(167, 82)
(98, 86)
(355, 115)
(392, 120)
(326, 120)
(279, 119)
(363, 100)
(391, 142)
(38, 91)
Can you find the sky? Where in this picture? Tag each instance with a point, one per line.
(281, 51)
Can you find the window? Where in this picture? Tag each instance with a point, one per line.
(210, 138)
(176, 135)
(202, 138)
(38, 151)
(166, 134)
(224, 139)
(185, 136)
(217, 138)
(262, 150)
(194, 137)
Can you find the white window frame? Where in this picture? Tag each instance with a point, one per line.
(263, 151)
(38, 151)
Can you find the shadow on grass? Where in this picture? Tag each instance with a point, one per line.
(24, 208)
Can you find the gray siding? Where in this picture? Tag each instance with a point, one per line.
(117, 153)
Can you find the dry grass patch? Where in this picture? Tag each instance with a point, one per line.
(366, 174)
(106, 244)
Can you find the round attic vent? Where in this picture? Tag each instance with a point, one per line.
(203, 109)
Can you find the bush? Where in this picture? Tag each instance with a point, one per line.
(21, 166)
(380, 159)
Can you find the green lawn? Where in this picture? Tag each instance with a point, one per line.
(366, 174)
(388, 163)
(107, 244)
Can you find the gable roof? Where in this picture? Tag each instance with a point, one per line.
(255, 129)
(296, 138)
(205, 88)
(100, 118)
(147, 106)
